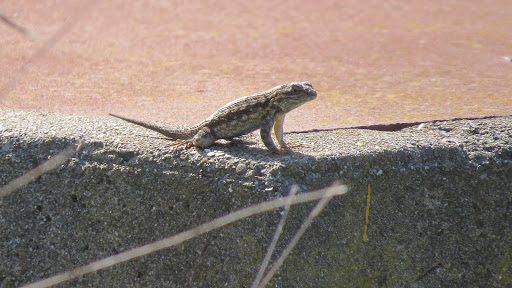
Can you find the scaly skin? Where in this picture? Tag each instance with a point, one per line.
(259, 111)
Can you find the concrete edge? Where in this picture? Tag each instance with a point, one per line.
(430, 182)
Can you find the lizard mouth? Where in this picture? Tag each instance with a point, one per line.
(311, 92)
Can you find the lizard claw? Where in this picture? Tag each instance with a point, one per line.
(290, 147)
(286, 149)
(181, 144)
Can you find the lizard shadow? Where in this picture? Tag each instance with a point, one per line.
(241, 147)
(248, 149)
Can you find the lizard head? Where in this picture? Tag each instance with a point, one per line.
(292, 95)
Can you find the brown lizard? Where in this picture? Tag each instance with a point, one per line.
(259, 111)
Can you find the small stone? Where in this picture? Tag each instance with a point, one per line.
(250, 173)
(377, 171)
(241, 168)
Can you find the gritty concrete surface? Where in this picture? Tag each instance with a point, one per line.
(372, 62)
(440, 209)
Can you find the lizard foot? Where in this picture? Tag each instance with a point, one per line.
(181, 145)
(286, 149)
(290, 147)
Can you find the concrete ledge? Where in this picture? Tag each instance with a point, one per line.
(440, 205)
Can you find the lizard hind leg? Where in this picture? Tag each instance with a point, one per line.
(204, 138)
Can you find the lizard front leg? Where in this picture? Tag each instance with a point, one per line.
(266, 128)
(278, 130)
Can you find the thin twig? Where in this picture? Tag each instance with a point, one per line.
(15, 25)
(272, 246)
(187, 235)
(329, 193)
(47, 166)
(46, 46)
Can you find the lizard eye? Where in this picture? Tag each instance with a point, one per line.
(295, 89)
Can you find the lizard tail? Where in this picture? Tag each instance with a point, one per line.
(173, 132)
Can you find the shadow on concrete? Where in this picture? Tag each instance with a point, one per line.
(397, 126)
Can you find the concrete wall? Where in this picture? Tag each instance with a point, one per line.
(440, 214)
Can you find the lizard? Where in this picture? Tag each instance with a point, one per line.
(262, 111)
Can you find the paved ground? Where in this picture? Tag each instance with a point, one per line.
(371, 62)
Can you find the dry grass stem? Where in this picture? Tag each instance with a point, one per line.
(46, 45)
(189, 234)
(329, 193)
(16, 26)
(279, 230)
(47, 166)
